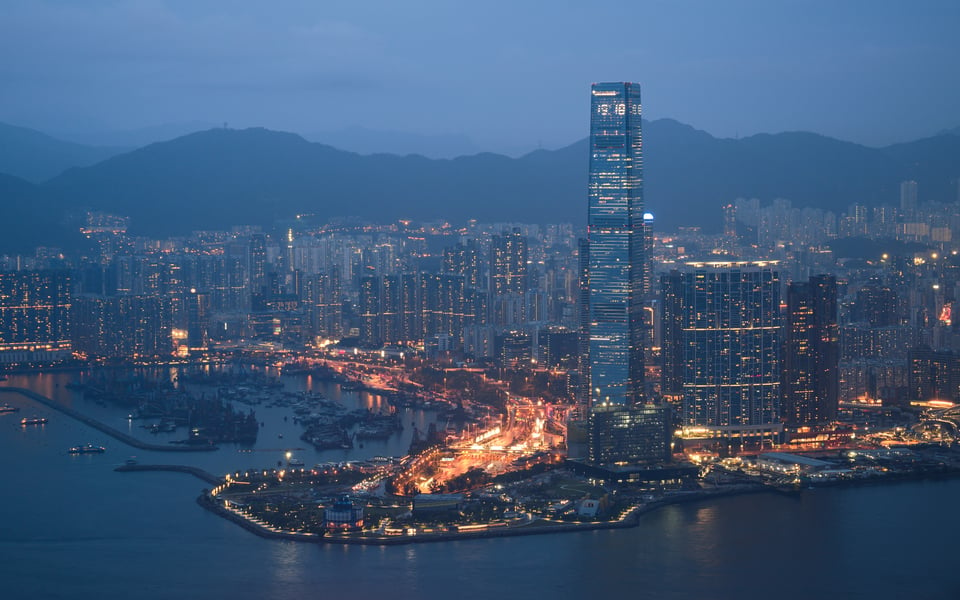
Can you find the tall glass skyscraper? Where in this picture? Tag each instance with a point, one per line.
(613, 320)
(622, 427)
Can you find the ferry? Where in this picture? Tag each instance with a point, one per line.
(87, 449)
(6, 408)
(33, 421)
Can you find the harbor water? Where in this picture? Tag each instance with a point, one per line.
(71, 527)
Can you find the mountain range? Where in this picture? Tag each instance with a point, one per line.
(220, 177)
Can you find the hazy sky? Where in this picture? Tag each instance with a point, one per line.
(508, 74)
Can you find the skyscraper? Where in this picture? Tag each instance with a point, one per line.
(621, 427)
(35, 316)
(614, 262)
(508, 263)
(811, 352)
(722, 336)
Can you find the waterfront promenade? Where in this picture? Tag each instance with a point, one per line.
(103, 427)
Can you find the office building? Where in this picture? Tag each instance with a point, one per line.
(614, 247)
(622, 427)
(623, 434)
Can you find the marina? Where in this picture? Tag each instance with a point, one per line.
(837, 525)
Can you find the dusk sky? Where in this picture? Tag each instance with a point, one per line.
(510, 75)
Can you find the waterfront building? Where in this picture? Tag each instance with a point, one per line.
(628, 434)
(35, 316)
(343, 515)
(722, 344)
(811, 352)
(124, 327)
(623, 427)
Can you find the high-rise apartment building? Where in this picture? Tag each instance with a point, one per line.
(811, 358)
(722, 345)
(508, 263)
(908, 197)
(35, 316)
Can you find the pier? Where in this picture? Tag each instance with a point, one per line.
(103, 427)
(197, 472)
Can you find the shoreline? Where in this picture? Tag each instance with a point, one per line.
(542, 526)
(632, 519)
(103, 427)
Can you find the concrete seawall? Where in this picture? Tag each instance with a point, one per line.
(195, 471)
(103, 427)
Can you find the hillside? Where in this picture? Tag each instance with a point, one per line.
(36, 157)
(220, 177)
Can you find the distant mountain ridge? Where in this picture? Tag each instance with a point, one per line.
(36, 156)
(221, 177)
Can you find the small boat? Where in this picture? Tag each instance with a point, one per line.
(6, 408)
(131, 461)
(87, 449)
(33, 421)
(294, 462)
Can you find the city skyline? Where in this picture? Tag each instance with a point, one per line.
(198, 345)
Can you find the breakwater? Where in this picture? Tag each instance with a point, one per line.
(195, 471)
(103, 427)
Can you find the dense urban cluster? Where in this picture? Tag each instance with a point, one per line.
(787, 325)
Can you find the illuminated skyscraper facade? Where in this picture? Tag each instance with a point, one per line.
(722, 345)
(622, 428)
(613, 325)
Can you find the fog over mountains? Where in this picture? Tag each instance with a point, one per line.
(220, 177)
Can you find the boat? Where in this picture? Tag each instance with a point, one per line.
(294, 462)
(87, 449)
(131, 461)
(33, 421)
(6, 408)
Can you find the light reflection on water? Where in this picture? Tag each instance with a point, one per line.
(278, 435)
(287, 562)
(73, 528)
